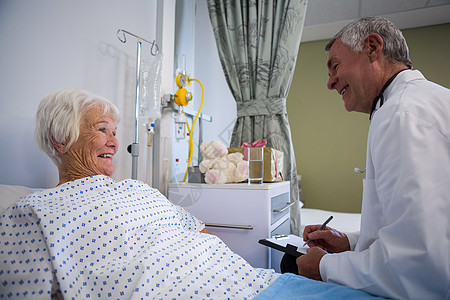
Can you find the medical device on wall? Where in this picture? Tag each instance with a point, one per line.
(182, 98)
(180, 125)
(134, 147)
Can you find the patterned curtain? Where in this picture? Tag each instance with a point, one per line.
(258, 43)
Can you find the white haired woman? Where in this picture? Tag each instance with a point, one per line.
(77, 129)
(94, 237)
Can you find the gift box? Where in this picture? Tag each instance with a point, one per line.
(273, 163)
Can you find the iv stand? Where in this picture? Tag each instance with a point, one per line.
(134, 147)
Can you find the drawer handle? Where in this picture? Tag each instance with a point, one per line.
(284, 208)
(247, 227)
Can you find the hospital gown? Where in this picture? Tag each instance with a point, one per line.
(98, 238)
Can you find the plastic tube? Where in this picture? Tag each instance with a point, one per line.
(191, 130)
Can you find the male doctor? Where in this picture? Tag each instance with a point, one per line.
(402, 250)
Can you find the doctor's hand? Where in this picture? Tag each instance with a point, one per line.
(328, 239)
(308, 264)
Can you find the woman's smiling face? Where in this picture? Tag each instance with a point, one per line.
(92, 154)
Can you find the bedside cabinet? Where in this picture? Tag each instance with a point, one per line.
(240, 215)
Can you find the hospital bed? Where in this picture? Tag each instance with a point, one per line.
(301, 287)
(344, 222)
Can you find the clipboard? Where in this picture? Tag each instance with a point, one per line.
(290, 244)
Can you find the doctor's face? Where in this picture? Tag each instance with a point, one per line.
(92, 154)
(351, 75)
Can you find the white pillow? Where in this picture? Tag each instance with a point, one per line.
(9, 194)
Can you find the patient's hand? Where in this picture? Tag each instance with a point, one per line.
(308, 264)
(328, 239)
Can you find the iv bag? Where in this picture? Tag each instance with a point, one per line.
(150, 100)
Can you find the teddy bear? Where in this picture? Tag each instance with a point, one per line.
(220, 167)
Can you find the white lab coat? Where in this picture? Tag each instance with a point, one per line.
(403, 248)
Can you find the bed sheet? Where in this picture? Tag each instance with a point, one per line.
(290, 286)
(106, 239)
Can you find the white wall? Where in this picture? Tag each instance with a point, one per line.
(49, 44)
(219, 101)
(195, 39)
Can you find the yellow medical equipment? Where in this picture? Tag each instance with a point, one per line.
(182, 98)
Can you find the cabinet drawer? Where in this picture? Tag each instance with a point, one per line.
(249, 213)
(279, 207)
(276, 255)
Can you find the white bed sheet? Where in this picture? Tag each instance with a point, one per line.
(107, 239)
(344, 222)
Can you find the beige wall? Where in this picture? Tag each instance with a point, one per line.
(330, 142)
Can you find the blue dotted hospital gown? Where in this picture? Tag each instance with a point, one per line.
(98, 238)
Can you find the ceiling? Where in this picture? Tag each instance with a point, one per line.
(325, 17)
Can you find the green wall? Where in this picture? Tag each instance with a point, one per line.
(330, 142)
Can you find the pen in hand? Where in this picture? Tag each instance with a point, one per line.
(320, 228)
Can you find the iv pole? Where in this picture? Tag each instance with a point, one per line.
(133, 149)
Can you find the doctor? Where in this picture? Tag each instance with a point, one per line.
(403, 248)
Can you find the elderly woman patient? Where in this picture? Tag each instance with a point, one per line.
(94, 237)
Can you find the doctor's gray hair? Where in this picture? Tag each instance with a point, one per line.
(59, 115)
(355, 34)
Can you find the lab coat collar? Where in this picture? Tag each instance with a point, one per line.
(398, 79)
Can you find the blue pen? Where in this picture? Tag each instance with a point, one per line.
(320, 228)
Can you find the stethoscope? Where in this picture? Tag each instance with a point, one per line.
(379, 98)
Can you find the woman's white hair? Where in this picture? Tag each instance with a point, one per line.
(59, 115)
